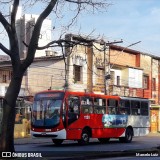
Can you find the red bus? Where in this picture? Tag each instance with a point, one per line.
(65, 115)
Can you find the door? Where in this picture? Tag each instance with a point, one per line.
(154, 120)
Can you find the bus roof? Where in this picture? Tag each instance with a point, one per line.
(135, 98)
(80, 94)
(93, 95)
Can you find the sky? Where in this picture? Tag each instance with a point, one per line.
(129, 20)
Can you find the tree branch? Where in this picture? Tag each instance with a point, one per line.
(14, 12)
(5, 24)
(4, 49)
(36, 32)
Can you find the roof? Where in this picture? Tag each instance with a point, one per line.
(128, 50)
(120, 48)
(7, 63)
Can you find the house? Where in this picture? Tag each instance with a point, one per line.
(44, 73)
(89, 68)
(115, 71)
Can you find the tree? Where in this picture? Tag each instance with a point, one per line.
(19, 67)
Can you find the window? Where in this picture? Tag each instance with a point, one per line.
(4, 78)
(74, 104)
(118, 80)
(73, 109)
(153, 84)
(10, 75)
(77, 73)
(112, 77)
(144, 108)
(146, 82)
(100, 76)
(135, 107)
(124, 107)
(87, 105)
(99, 106)
(112, 106)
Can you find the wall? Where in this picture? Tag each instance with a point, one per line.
(78, 57)
(122, 58)
(145, 63)
(155, 73)
(42, 74)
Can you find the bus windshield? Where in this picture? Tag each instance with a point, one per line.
(46, 110)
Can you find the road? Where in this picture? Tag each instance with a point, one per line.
(70, 148)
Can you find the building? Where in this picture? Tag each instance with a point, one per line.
(25, 25)
(43, 74)
(115, 71)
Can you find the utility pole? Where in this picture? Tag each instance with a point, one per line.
(107, 76)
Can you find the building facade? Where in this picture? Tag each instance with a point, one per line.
(24, 27)
(114, 71)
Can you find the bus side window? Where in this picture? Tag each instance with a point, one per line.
(73, 109)
(99, 106)
(135, 107)
(124, 107)
(86, 105)
(144, 108)
(112, 106)
(74, 105)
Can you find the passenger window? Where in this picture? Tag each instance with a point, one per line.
(73, 109)
(86, 105)
(124, 107)
(74, 105)
(135, 107)
(99, 106)
(144, 108)
(112, 106)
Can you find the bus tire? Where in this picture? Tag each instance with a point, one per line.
(128, 136)
(103, 140)
(57, 141)
(84, 138)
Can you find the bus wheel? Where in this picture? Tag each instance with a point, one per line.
(57, 141)
(128, 136)
(84, 138)
(104, 140)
